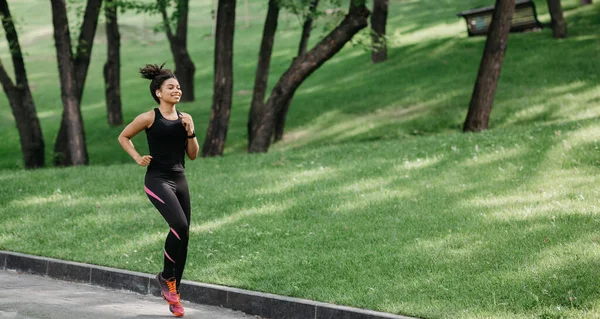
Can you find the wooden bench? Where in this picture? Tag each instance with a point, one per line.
(524, 18)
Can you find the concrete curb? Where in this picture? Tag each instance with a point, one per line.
(253, 303)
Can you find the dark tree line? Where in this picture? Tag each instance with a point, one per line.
(267, 116)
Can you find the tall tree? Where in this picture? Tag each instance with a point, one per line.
(264, 62)
(19, 97)
(306, 30)
(184, 67)
(378, 23)
(112, 67)
(489, 69)
(559, 25)
(223, 80)
(263, 127)
(70, 148)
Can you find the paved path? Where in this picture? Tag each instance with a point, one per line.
(29, 296)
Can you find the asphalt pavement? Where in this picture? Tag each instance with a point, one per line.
(30, 296)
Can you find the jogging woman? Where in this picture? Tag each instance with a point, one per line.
(170, 135)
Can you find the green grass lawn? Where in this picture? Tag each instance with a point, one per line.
(374, 198)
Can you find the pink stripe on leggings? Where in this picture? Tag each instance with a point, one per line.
(171, 259)
(176, 234)
(149, 192)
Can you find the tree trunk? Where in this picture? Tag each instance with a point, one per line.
(302, 67)
(85, 43)
(307, 27)
(584, 2)
(282, 115)
(184, 71)
(184, 67)
(223, 80)
(489, 69)
(73, 150)
(19, 97)
(81, 64)
(112, 72)
(378, 23)
(281, 118)
(264, 63)
(559, 25)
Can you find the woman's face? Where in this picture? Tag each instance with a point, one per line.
(170, 91)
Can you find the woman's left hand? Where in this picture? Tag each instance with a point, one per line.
(187, 122)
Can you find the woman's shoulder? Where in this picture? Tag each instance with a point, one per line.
(146, 117)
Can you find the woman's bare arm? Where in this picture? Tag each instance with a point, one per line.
(140, 123)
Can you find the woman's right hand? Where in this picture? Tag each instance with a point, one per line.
(144, 160)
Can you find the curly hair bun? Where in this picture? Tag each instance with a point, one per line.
(151, 71)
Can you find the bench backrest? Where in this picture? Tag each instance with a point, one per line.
(524, 18)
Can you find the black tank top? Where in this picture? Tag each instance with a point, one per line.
(167, 141)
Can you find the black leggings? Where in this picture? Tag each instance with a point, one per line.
(169, 193)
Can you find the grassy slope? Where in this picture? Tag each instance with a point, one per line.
(374, 199)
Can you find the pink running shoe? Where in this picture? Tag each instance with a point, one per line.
(177, 308)
(168, 289)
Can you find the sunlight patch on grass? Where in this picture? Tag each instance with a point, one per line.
(365, 200)
(445, 30)
(454, 245)
(37, 75)
(296, 179)
(345, 126)
(40, 200)
(4, 239)
(36, 35)
(511, 200)
(352, 53)
(527, 114)
(574, 101)
(146, 239)
(584, 37)
(312, 89)
(93, 106)
(574, 145)
(561, 256)
(526, 210)
(49, 114)
(584, 135)
(502, 154)
(443, 49)
(73, 199)
(243, 213)
(418, 163)
(364, 185)
(566, 181)
(405, 28)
